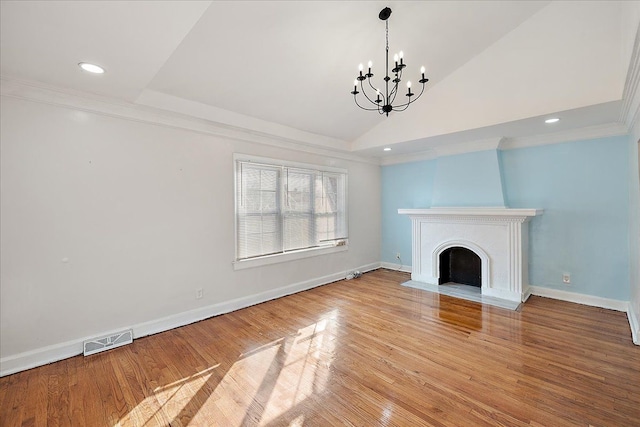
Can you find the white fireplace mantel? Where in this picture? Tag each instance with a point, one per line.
(479, 213)
(499, 236)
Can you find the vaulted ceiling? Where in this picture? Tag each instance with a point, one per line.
(496, 68)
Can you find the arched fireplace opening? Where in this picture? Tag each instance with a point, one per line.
(460, 265)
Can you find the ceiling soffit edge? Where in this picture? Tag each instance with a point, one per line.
(97, 104)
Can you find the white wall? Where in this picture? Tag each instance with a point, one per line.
(631, 46)
(634, 231)
(108, 223)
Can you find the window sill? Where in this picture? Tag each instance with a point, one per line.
(289, 256)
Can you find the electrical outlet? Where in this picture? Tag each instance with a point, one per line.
(199, 293)
(566, 278)
(397, 255)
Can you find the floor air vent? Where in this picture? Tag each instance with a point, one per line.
(108, 342)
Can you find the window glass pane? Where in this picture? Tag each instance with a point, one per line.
(298, 226)
(297, 232)
(268, 201)
(299, 188)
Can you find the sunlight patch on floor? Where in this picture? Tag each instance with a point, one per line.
(265, 385)
(305, 372)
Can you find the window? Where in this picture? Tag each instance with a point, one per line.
(284, 208)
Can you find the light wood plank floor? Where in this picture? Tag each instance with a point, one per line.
(364, 352)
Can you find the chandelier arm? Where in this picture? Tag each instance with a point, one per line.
(397, 83)
(375, 89)
(419, 95)
(393, 94)
(395, 89)
(404, 106)
(365, 94)
(364, 108)
(401, 108)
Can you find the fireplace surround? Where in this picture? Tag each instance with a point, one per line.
(498, 236)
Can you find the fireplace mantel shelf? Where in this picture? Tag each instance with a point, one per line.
(475, 212)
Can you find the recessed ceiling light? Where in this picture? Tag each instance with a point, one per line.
(387, 149)
(552, 120)
(92, 68)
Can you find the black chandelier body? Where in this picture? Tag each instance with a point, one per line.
(384, 103)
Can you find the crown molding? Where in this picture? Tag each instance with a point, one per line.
(590, 132)
(409, 157)
(198, 110)
(112, 107)
(630, 94)
(469, 147)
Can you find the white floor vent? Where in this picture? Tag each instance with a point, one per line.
(108, 342)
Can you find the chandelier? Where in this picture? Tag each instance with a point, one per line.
(383, 101)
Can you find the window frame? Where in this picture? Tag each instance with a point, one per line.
(339, 245)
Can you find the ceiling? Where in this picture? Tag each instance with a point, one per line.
(496, 68)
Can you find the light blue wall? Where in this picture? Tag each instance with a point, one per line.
(583, 188)
(407, 185)
(471, 179)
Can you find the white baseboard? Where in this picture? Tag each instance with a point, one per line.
(370, 267)
(53, 353)
(594, 301)
(396, 267)
(633, 317)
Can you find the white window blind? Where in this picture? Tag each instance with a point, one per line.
(282, 208)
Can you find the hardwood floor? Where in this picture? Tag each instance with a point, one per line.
(364, 352)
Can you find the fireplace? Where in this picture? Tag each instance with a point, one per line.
(460, 265)
(498, 238)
